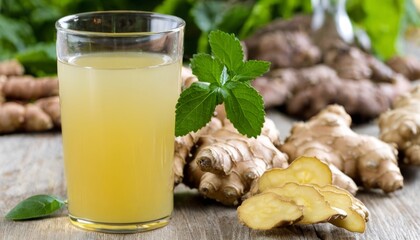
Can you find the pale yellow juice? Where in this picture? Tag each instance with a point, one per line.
(118, 115)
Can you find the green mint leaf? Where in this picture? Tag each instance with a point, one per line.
(244, 108)
(227, 48)
(35, 207)
(206, 68)
(224, 77)
(252, 69)
(195, 107)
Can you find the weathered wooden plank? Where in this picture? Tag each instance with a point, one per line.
(32, 164)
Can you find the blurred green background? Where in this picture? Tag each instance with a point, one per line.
(27, 29)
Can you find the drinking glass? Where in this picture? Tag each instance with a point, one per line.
(119, 75)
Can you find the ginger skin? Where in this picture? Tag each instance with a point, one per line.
(409, 66)
(185, 144)
(353, 158)
(401, 126)
(51, 106)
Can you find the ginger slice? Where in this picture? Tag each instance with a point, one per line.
(354, 221)
(357, 205)
(302, 170)
(268, 210)
(316, 208)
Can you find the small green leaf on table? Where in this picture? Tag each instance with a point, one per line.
(35, 207)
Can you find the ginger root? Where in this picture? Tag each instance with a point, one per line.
(284, 49)
(18, 117)
(11, 116)
(185, 144)
(27, 103)
(51, 106)
(16, 86)
(224, 164)
(401, 126)
(305, 92)
(42, 115)
(353, 158)
(348, 62)
(311, 71)
(29, 88)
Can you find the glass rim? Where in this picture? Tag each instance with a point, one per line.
(60, 22)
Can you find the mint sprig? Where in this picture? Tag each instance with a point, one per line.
(224, 77)
(35, 207)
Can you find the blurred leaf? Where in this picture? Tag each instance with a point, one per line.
(47, 13)
(355, 10)
(264, 11)
(208, 14)
(260, 15)
(412, 14)
(212, 15)
(43, 20)
(39, 60)
(234, 18)
(15, 35)
(288, 8)
(172, 6)
(203, 43)
(167, 6)
(382, 22)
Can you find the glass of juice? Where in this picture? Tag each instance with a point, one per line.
(119, 74)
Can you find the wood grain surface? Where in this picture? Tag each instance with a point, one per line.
(33, 164)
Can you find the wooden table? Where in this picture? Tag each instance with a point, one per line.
(33, 163)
